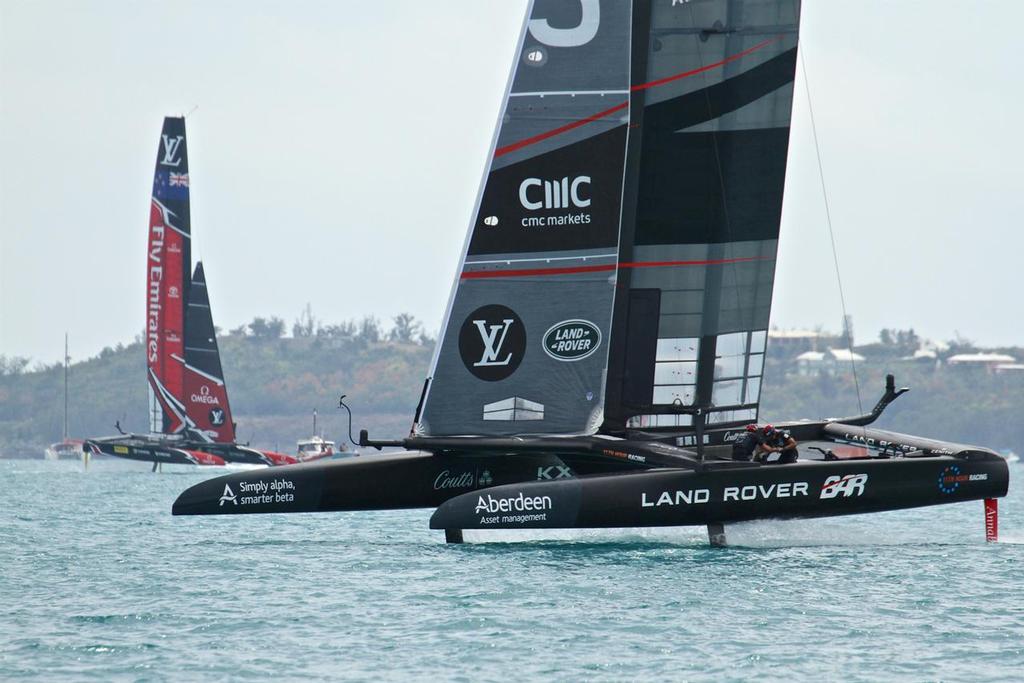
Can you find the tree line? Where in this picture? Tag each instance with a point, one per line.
(275, 381)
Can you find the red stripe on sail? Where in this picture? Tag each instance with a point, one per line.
(570, 270)
(558, 131)
(526, 272)
(526, 142)
(694, 72)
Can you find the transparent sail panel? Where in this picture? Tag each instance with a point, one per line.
(738, 365)
(648, 421)
(727, 416)
(675, 371)
(736, 388)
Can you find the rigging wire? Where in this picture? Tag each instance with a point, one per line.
(831, 232)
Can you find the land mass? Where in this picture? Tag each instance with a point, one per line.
(276, 382)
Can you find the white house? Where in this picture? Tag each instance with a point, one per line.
(827, 362)
(988, 361)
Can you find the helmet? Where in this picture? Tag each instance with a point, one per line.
(751, 428)
(768, 429)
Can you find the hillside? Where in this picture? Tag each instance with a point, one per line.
(277, 381)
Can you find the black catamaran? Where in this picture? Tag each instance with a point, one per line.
(604, 341)
(190, 417)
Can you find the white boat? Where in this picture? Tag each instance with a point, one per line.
(314, 448)
(317, 447)
(68, 449)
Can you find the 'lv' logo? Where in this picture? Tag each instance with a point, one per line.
(492, 342)
(171, 146)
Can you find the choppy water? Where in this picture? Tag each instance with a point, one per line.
(100, 582)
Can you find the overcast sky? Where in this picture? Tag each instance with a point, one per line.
(337, 148)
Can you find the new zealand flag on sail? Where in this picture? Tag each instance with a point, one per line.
(170, 185)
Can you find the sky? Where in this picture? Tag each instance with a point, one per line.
(336, 149)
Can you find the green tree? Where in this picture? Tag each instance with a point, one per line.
(369, 330)
(267, 328)
(405, 329)
(305, 325)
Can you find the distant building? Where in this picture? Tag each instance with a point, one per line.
(1008, 368)
(989, 362)
(788, 344)
(828, 362)
(980, 359)
(923, 357)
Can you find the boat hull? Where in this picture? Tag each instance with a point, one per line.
(370, 482)
(671, 497)
(231, 452)
(151, 451)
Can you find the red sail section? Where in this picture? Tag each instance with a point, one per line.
(168, 266)
(206, 404)
(165, 302)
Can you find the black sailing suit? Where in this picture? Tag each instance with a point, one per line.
(779, 440)
(744, 447)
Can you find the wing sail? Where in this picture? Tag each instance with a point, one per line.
(619, 269)
(206, 394)
(168, 262)
(524, 345)
(712, 99)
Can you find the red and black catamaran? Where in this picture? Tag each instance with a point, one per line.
(604, 342)
(189, 412)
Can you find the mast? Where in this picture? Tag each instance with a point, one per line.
(67, 359)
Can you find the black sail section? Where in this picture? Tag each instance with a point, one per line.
(712, 106)
(524, 345)
(201, 350)
(206, 395)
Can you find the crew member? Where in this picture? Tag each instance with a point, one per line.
(777, 441)
(745, 446)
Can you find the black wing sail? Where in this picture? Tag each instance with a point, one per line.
(711, 98)
(206, 394)
(524, 345)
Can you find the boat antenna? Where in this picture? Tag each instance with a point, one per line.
(117, 426)
(342, 404)
(831, 232)
(67, 359)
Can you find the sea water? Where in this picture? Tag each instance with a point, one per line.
(100, 582)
